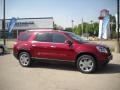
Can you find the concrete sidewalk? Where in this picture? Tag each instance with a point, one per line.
(56, 76)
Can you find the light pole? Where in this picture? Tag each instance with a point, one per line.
(118, 26)
(73, 25)
(3, 24)
(118, 20)
(92, 26)
(82, 27)
(117, 49)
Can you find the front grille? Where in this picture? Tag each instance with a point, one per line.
(108, 49)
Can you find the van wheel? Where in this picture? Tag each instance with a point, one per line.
(86, 64)
(24, 59)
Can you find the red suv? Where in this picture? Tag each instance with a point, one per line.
(62, 46)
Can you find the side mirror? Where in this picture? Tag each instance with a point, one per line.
(68, 42)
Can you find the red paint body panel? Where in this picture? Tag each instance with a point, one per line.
(61, 51)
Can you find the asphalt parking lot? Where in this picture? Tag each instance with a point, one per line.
(56, 76)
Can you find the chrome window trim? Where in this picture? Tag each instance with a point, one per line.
(53, 59)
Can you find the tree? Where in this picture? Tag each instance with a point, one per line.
(75, 30)
(57, 27)
(91, 29)
(96, 28)
(69, 29)
(79, 29)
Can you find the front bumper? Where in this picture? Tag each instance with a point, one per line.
(105, 61)
(110, 57)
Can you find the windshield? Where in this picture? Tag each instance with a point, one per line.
(78, 38)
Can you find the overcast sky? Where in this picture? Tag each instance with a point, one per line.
(63, 11)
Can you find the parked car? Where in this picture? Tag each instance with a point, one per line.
(60, 46)
(2, 49)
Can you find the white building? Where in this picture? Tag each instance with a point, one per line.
(23, 24)
(104, 24)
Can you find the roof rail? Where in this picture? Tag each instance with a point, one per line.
(40, 30)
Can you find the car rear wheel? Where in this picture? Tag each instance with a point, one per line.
(1, 50)
(24, 59)
(86, 64)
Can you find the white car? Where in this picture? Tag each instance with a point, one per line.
(85, 38)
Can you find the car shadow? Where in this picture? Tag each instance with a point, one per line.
(5, 54)
(109, 69)
(54, 65)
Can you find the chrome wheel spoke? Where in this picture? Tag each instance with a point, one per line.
(83, 68)
(86, 64)
(24, 59)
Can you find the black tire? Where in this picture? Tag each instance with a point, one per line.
(25, 59)
(1, 50)
(105, 64)
(86, 64)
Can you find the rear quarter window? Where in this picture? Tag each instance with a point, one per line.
(24, 37)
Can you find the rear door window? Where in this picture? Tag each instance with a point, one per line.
(24, 37)
(44, 37)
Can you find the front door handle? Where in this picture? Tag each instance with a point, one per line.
(53, 46)
(33, 45)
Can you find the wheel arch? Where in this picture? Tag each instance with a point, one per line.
(86, 53)
(23, 50)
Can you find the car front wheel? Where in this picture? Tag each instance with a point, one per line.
(86, 64)
(24, 59)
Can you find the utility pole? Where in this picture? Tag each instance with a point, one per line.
(118, 6)
(82, 26)
(118, 20)
(117, 49)
(92, 26)
(73, 25)
(3, 24)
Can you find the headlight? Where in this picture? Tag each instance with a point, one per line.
(101, 49)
